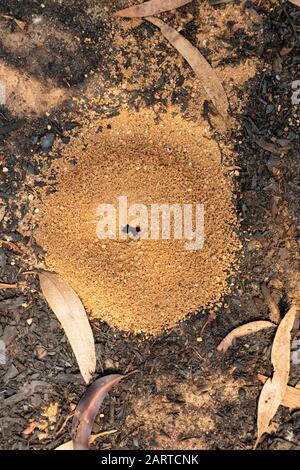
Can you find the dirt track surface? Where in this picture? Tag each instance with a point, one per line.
(74, 59)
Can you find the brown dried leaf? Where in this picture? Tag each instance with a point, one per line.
(243, 330)
(274, 389)
(291, 398)
(274, 313)
(88, 407)
(207, 76)
(41, 425)
(20, 23)
(295, 2)
(66, 446)
(69, 310)
(153, 7)
(51, 412)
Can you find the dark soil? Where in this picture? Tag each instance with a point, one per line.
(184, 394)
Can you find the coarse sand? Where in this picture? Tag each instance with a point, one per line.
(141, 285)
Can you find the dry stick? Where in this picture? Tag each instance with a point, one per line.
(289, 20)
(8, 286)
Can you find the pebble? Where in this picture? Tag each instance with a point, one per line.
(10, 374)
(47, 141)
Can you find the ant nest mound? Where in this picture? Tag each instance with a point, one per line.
(144, 278)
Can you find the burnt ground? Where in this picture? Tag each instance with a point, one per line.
(184, 394)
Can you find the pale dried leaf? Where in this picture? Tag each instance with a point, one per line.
(295, 2)
(274, 389)
(66, 446)
(69, 310)
(207, 76)
(153, 7)
(291, 398)
(243, 330)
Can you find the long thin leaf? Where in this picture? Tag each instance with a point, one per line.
(88, 407)
(153, 7)
(243, 330)
(274, 389)
(207, 76)
(291, 398)
(69, 310)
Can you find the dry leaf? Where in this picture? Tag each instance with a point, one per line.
(42, 425)
(274, 389)
(69, 310)
(66, 446)
(243, 330)
(51, 412)
(291, 398)
(273, 307)
(207, 76)
(295, 2)
(153, 7)
(88, 407)
(20, 23)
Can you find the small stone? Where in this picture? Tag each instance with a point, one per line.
(47, 141)
(135, 441)
(10, 374)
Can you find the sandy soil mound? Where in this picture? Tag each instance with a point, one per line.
(138, 284)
